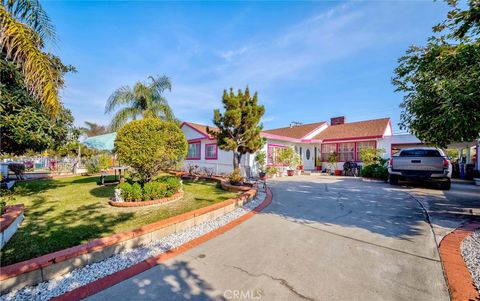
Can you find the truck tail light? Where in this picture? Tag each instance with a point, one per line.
(445, 163)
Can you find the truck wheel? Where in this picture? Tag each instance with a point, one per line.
(393, 179)
(446, 185)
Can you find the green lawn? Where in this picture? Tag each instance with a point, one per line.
(65, 212)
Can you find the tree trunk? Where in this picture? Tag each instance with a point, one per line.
(237, 157)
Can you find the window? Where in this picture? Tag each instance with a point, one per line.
(273, 154)
(211, 151)
(420, 153)
(193, 152)
(345, 151)
(307, 153)
(328, 149)
(364, 145)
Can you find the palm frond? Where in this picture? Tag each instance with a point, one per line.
(122, 117)
(31, 13)
(160, 110)
(159, 85)
(121, 96)
(21, 46)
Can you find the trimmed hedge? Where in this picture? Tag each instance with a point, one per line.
(162, 187)
(375, 171)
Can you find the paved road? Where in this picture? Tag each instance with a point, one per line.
(321, 239)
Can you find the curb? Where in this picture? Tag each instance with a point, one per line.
(48, 266)
(459, 280)
(112, 279)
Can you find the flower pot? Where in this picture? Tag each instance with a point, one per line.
(290, 173)
(300, 167)
(318, 168)
(338, 172)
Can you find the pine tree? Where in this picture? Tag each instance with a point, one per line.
(239, 126)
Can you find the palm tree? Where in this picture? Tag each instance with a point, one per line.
(93, 129)
(145, 100)
(24, 26)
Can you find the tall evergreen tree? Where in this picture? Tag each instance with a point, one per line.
(441, 80)
(239, 126)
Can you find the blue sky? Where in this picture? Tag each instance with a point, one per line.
(309, 61)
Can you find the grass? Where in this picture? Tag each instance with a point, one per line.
(66, 212)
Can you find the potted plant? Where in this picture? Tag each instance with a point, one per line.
(260, 158)
(272, 171)
(235, 177)
(332, 163)
(290, 159)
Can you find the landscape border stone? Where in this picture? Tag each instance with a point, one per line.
(49, 266)
(10, 220)
(460, 282)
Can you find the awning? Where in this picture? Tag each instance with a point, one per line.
(101, 142)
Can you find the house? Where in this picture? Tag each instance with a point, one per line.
(314, 142)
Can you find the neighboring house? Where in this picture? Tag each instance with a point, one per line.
(314, 142)
(204, 152)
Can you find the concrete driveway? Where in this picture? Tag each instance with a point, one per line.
(320, 239)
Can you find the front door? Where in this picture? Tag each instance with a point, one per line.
(308, 157)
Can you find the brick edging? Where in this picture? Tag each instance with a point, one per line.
(98, 244)
(460, 282)
(11, 213)
(117, 277)
(176, 196)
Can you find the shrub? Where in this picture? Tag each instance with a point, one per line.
(154, 190)
(6, 196)
(173, 184)
(371, 156)
(375, 171)
(209, 172)
(235, 177)
(131, 193)
(271, 170)
(98, 163)
(92, 165)
(150, 145)
(289, 157)
(260, 159)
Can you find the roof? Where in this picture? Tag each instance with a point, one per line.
(362, 129)
(201, 128)
(101, 142)
(297, 131)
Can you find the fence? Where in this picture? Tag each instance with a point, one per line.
(45, 164)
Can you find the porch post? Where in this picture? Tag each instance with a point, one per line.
(467, 161)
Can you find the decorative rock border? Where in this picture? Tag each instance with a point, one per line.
(460, 282)
(49, 266)
(10, 221)
(174, 197)
(117, 277)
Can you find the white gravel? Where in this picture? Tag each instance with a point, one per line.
(79, 277)
(471, 253)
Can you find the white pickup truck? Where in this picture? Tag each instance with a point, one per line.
(421, 163)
